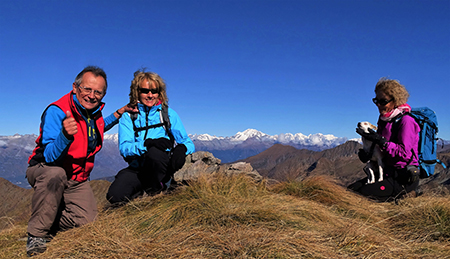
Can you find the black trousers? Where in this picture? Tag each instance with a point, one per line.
(393, 186)
(151, 177)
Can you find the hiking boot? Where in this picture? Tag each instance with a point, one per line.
(36, 245)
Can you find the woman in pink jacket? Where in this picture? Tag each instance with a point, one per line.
(398, 137)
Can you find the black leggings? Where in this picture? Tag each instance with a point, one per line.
(389, 189)
(131, 182)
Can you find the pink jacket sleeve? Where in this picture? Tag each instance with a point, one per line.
(403, 138)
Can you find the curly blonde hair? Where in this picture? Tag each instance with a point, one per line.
(140, 76)
(394, 89)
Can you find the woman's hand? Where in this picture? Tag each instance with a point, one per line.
(178, 157)
(160, 143)
(126, 108)
(372, 136)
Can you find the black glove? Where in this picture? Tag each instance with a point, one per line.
(414, 174)
(363, 155)
(178, 157)
(161, 143)
(372, 136)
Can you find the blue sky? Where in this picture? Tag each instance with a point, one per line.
(275, 66)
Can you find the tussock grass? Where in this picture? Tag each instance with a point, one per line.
(12, 242)
(424, 219)
(234, 217)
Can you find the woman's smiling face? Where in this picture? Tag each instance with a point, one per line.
(383, 109)
(148, 97)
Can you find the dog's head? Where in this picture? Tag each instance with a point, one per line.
(365, 126)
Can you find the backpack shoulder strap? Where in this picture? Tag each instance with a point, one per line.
(136, 129)
(164, 113)
(396, 123)
(133, 117)
(395, 128)
(164, 122)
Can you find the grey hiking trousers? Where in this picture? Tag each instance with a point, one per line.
(58, 203)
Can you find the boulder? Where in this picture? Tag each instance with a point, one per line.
(203, 162)
(241, 168)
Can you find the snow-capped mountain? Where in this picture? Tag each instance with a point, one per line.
(207, 142)
(251, 142)
(316, 141)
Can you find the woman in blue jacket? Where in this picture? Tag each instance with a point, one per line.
(154, 147)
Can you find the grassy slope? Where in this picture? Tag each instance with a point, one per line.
(232, 217)
(14, 204)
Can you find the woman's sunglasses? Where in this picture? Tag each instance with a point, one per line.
(381, 102)
(146, 90)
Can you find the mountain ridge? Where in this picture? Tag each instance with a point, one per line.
(317, 139)
(15, 150)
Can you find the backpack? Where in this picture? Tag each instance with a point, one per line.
(427, 120)
(165, 122)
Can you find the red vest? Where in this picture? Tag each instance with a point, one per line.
(77, 162)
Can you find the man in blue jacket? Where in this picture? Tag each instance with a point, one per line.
(71, 133)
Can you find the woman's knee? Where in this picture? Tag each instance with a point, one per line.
(125, 184)
(154, 154)
(114, 193)
(156, 159)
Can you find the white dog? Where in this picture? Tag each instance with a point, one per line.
(375, 163)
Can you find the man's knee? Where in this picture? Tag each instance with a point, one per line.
(56, 179)
(52, 178)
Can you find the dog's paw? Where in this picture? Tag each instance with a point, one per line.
(370, 181)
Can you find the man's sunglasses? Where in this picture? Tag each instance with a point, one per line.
(146, 90)
(381, 102)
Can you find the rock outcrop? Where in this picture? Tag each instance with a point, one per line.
(203, 162)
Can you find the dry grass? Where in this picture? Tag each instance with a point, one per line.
(233, 217)
(14, 205)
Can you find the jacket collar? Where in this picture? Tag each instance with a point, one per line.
(144, 108)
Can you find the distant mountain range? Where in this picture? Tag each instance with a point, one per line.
(314, 141)
(251, 142)
(15, 150)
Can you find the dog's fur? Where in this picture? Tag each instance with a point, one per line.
(375, 163)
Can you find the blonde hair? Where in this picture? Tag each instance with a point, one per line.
(394, 89)
(140, 76)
